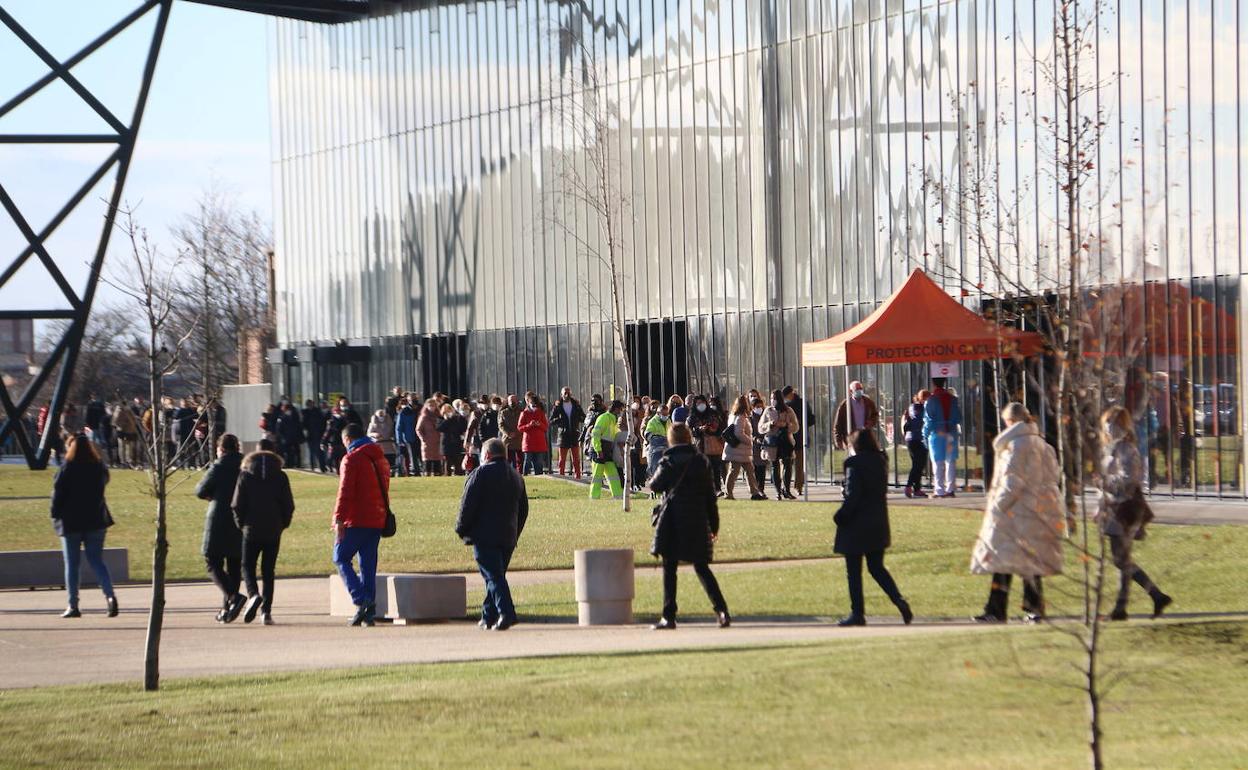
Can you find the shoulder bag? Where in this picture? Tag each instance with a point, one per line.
(392, 524)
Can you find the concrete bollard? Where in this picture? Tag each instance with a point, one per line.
(604, 586)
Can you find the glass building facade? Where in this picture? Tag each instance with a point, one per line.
(785, 164)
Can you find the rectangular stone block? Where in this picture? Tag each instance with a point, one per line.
(340, 604)
(39, 569)
(426, 597)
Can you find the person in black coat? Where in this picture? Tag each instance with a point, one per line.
(452, 426)
(688, 522)
(492, 513)
(313, 419)
(567, 417)
(80, 516)
(862, 526)
(263, 507)
(223, 543)
(290, 434)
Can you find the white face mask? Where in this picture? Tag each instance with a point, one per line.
(701, 407)
(758, 410)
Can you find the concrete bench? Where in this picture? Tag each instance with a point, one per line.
(41, 569)
(407, 599)
(604, 586)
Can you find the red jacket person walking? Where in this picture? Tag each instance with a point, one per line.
(359, 517)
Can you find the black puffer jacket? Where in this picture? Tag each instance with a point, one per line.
(221, 536)
(78, 498)
(263, 504)
(494, 507)
(862, 521)
(691, 513)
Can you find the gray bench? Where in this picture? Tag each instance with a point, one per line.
(41, 569)
(406, 599)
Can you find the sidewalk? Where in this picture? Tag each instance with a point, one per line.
(39, 648)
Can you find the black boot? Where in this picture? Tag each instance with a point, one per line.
(903, 607)
(1160, 602)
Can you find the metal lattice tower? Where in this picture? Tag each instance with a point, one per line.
(121, 136)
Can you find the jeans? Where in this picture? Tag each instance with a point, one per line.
(535, 462)
(918, 463)
(999, 596)
(705, 576)
(267, 555)
(73, 544)
(362, 541)
(493, 563)
(226, 574)
(605, 473)
(879, 573)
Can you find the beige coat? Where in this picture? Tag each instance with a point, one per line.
(772, 422)
(1024, 522)
(744, 451)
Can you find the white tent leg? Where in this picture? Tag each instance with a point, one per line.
(805, 427)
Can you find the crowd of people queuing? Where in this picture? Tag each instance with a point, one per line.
(122, 430)
(690, 452)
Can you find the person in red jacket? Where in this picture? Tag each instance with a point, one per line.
(533, 426)
(359, 517)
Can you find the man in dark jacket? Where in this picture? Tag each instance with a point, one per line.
(223, 543)
(313, 419)
(567, 418)
(263, 507)
(492, 514)
(290, 434)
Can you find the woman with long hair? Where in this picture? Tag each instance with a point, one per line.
(1123, 512)
(779, 426)
(740, 456)
(80, 517)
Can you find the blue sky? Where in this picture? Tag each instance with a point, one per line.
(207, 119)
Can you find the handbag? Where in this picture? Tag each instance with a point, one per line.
(658, 512)
(730, 436)
(392, 524)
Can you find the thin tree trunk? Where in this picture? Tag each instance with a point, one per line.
(160, 550)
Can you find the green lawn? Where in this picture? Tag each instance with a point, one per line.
(995, 700)
(1199, 566)
(561, 520)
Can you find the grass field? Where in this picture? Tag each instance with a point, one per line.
(998, 700)
(561, 520)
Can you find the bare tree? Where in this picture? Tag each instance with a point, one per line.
(1071, 296)
(587, 121)
(150, 283)
(108, 363)
(223, 288)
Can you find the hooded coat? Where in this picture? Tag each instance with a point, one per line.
(430, 438)
(363, 486)
(1024, 522)
(381, 430)
(690, 511)
(263, 505)
(222, 537)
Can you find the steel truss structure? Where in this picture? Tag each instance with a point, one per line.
(122, 136)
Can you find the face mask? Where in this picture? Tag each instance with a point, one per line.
(701, 407)
(496, 407)
(857, 394)
(758, 410)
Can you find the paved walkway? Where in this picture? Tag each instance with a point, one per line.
(39, 648)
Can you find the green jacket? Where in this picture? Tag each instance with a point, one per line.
(656, 429)
(606, 427)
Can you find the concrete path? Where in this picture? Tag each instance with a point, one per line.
(39, 648)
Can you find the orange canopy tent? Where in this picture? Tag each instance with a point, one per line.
(920, 322)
